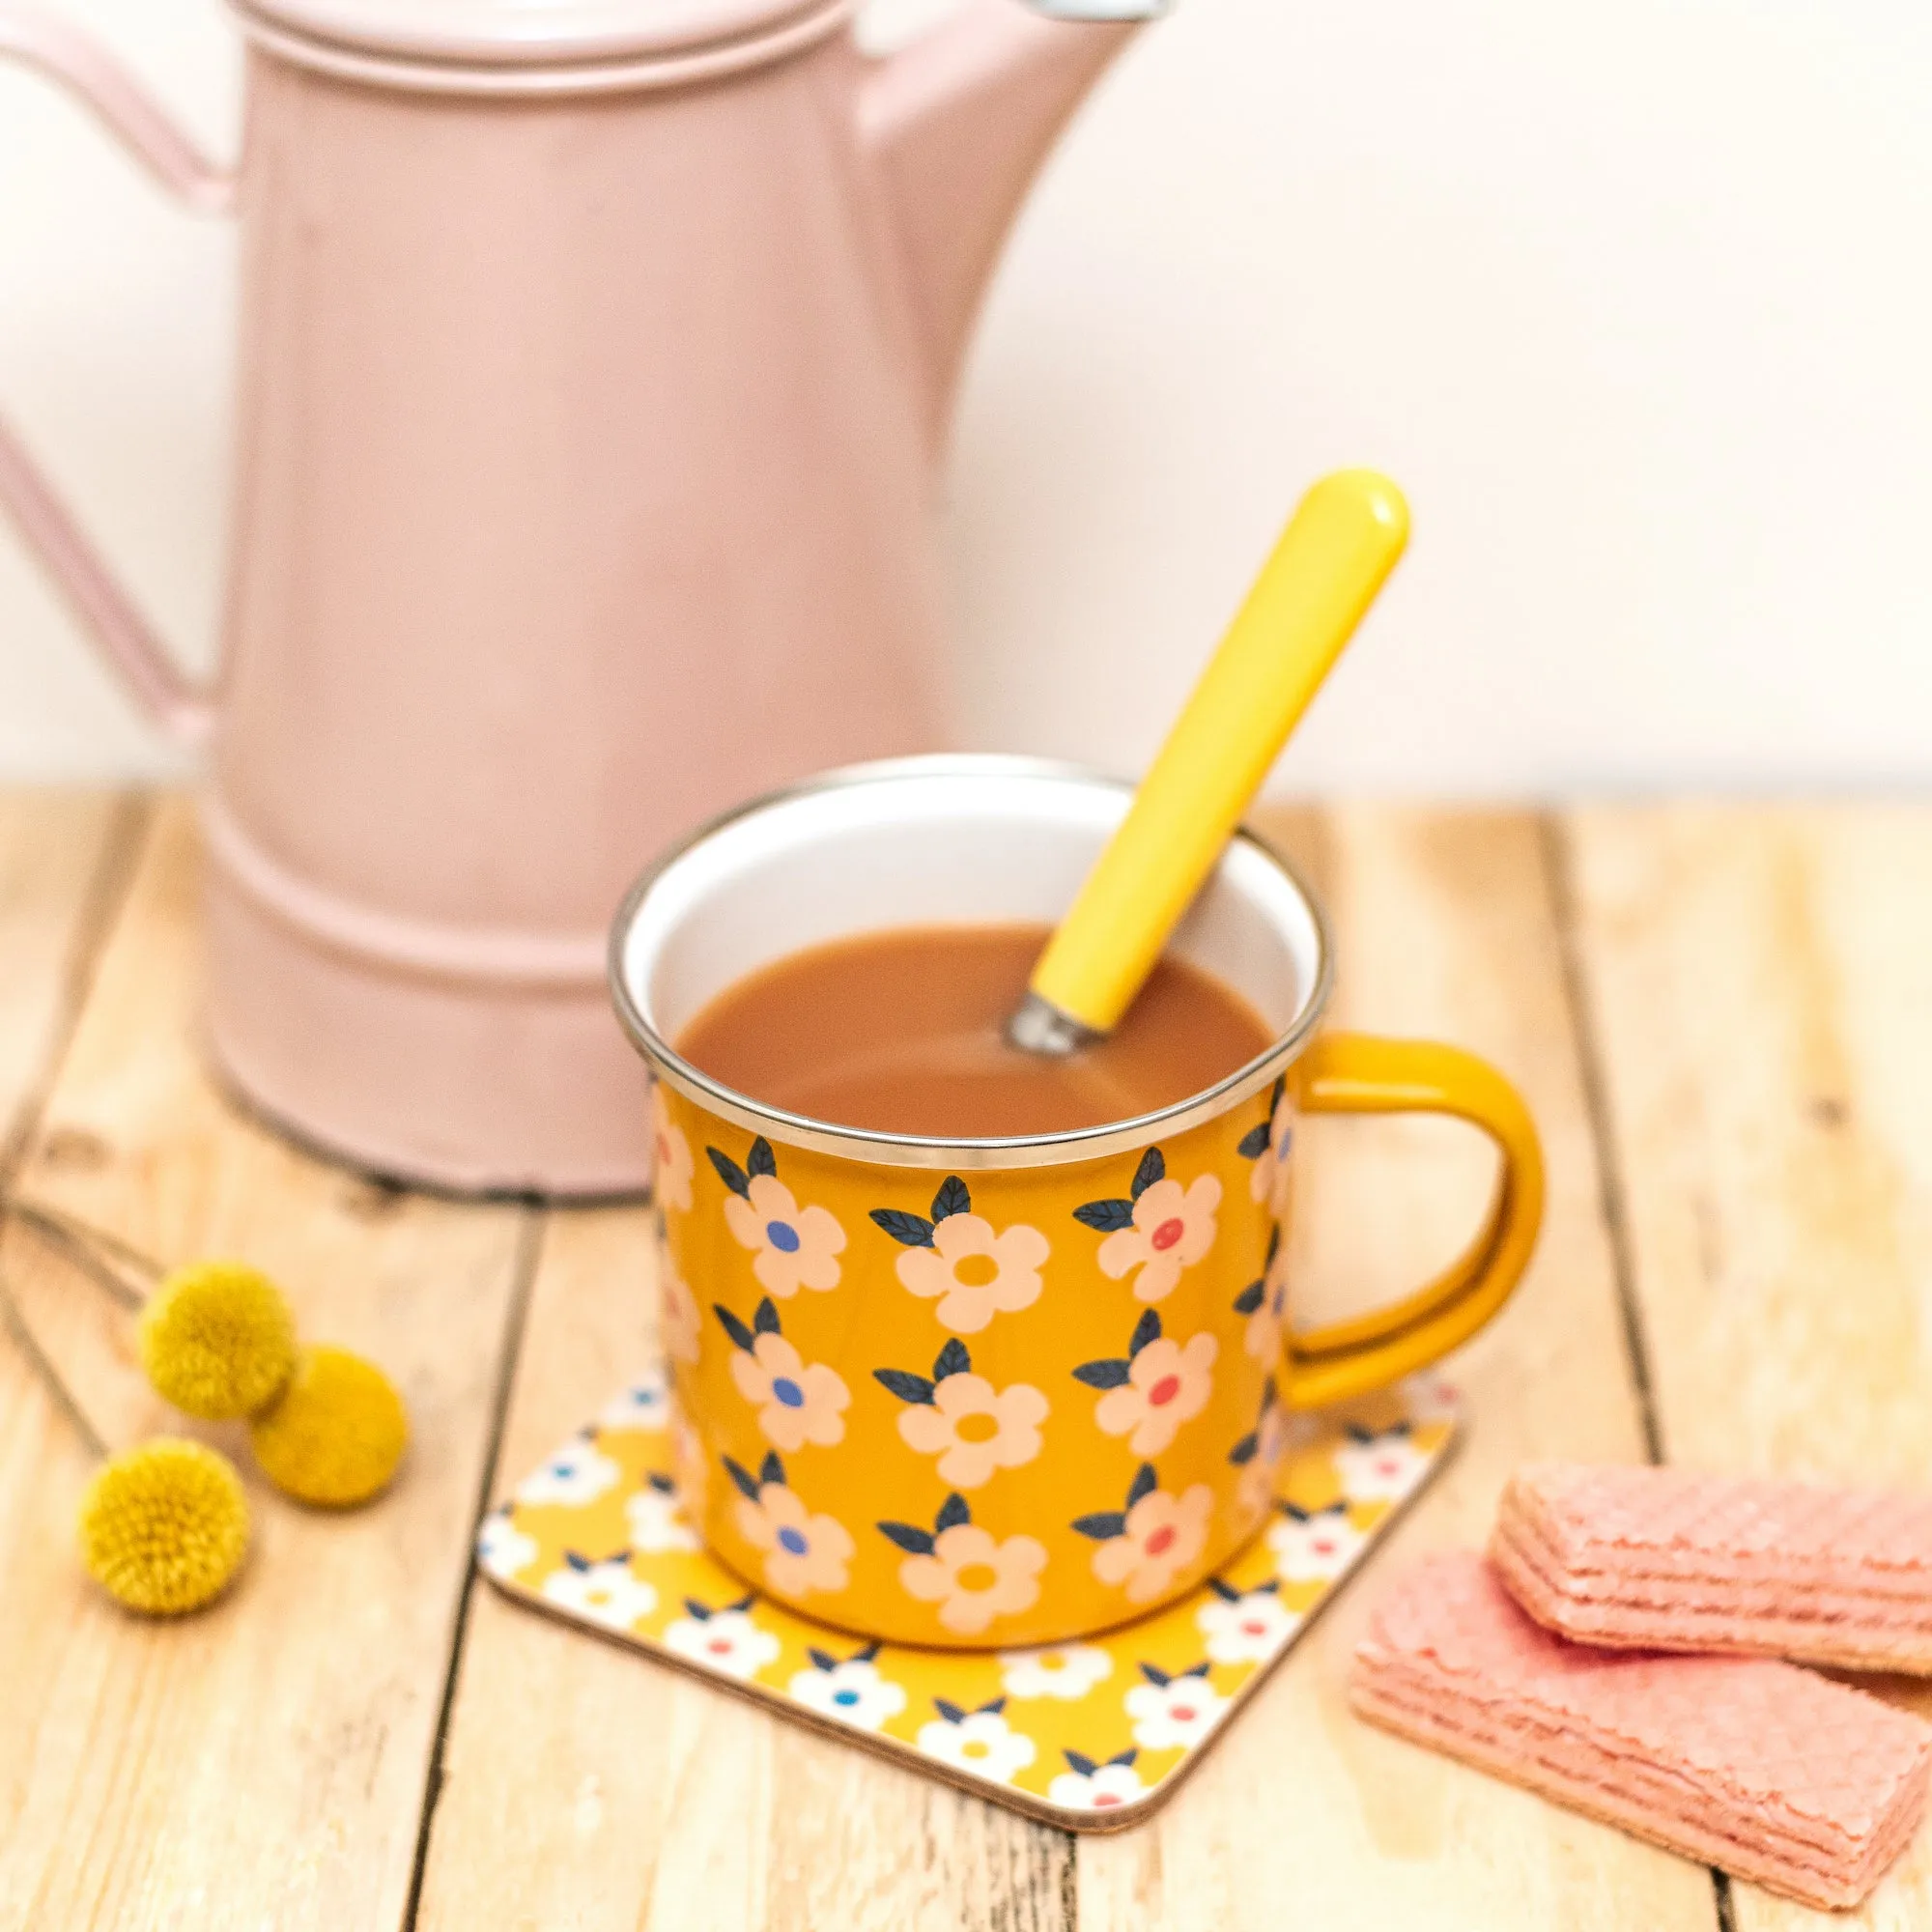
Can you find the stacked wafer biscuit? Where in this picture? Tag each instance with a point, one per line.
(1623, 1650)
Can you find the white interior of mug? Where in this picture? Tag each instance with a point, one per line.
(933, 842)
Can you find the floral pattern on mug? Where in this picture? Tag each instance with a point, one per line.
(852, 1691)
(980, 1741)
(1265, 1302)
(1379, 1468)
(579, 1473)
(1153, 1388)
(798, 1401)
(793, 1247)
(1244, 1626)
(973, 1576)
(1160, 1228)
(1065, 1671)
(678, 1318)
(1258, 1455)
(1147, 1545)
(974, 1269)
(972, 1427)
(723, 1637)
(670, 1177)
(657, 1524)
(1313, 1545)
(804, 1553)
(1267, 1146)
(1174, 1713)
(601, 1589)
(1087, 1786)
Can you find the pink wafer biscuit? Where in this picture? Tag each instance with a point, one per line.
(1664, 1559)
(1776, 1775)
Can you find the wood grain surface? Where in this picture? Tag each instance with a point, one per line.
(1723, 1020)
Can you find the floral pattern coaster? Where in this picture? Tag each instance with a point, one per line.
(1089, 1736)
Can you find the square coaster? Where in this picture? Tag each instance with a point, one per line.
(1090, 1736)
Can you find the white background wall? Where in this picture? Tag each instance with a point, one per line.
(1636, 303)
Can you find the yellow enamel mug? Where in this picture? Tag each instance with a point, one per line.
(986, 1393)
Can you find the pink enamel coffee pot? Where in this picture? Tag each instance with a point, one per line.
(594, 361)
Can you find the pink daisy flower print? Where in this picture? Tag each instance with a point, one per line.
(1265, 1302)
(672, 1165)
(957, 1257)
(1160, 1228)
(1267, 1146)
(677, 1315)
(1146, 1547)
(798, 1401)
(1153, 1388)
(970, 1575)
(804, 1553)
(973, 1427)
(792, 1247)
(1258, 1456)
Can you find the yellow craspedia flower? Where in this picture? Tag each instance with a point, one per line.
(164, 1526)
(218, 1340)
(337, 1432)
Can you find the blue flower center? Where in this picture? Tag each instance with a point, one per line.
(791, 1540)
(846, 1697)
(783, 1235)
(788, 1392)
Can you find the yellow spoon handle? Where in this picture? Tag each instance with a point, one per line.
(1335, 554)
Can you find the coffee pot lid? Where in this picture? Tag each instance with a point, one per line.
(535, 33)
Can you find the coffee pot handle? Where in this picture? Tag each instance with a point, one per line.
(88, 72)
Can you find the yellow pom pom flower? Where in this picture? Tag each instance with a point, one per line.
(218, 1340)
(164, 1526)
(337, 1432)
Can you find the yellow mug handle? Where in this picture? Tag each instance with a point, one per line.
(1357, 1073)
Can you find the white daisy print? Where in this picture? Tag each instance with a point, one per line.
(1173, 1713)
(852, 1691)
(1063, 1670)
(503, 1548)
(670, 1176)
(1428, 1397)
(643, 1406)
(1244, 1627)
(1159, 1231)
(977, 1740)
(1380, 1468)
(1313, 1545)
(725, 1639)
(657, 1522)
(579, 1473)
(792, 1247)
(1087, 1786)
(602, 1590)
(973, 1270)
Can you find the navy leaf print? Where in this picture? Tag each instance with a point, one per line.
(952, 1360)
(702, 1612)
(1147, 1329)
(1106, 1217)
(661, 1483)
(1146, 1482)
(747, 1483)
(760, 1161)
(1270, 1395)
(733, 1326)
(1103, 1525)
(1197, 1670)
(952, 1712)
(906, 1387)
(1111, 1375)
(1250, 1298)
(1275, 1091)
(871, 1650)
(1225, 1590)
(772, 1470)
(991, 1708)
(822, 1660)
(745, 1602)
(1152, 1168)
(1127, 1756)
(1244, 1451)
(1254, 1142)
(1085, 1765)
(576, 1561)
(765, 1318)
(952, 1512)
(908, 1537)
(729, 1171)
(910, 1231)
(1274, 1242)
(1155, 1676)
(952, 1199)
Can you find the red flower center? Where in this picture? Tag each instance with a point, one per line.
(1167, 1234)
(1253, 1626)
(1323, 1547)
(719, 1645)
(1157, 1544)
(1104, 1798)
(1183, 1713)
(1164, 1390)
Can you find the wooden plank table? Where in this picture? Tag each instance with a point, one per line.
(1724, 1019)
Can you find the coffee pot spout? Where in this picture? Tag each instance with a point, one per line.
(957, 125)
